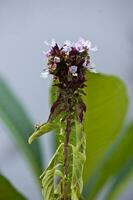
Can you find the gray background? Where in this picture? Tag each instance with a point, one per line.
(24, 25)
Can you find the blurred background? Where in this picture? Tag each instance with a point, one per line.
(24, 26)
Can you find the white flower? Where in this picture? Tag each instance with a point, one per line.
(53, 43)
(82, 44)
(47, 43)
(92, 68)
(73, 70)
(87, 44)
(67, 46)
(47, 53)
(94, 48)
(68, 43)
(66, 49)
(56, 59)
(75, 74)
(44, 74)
(79, 45)
(85, 63)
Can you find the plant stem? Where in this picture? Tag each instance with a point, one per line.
(66, 154)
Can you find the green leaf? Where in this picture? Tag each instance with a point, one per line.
(115, 158)
(20, 125)
(77, 182)
(106, 100)
(123, 185)
(122, 177)
(7, 191)
(53, 94)
(41, 130)
(48, 188)
(78, 160)
(52, 124)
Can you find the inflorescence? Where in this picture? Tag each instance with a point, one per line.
(70, 61)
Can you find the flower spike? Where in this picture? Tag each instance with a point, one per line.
(62, 61)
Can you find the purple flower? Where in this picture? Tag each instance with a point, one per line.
(76, 56)
(66, 49)
(82, 45)
(47, 53)
(53, 43)
(79, 45)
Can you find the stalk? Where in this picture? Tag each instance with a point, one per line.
(66, 154)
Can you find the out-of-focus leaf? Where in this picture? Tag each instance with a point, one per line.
(53, 93)
(118, 154)
(20, 125)
(7, 191)
(123, 186)
(121, 177)
(106, 100)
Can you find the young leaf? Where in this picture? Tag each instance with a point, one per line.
(48, 176)
(77, 172)
(20, 126)
(78, 157)
(7, 191)
(44, 128)
(41, 130)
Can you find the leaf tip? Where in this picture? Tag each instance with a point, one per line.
(30, 140)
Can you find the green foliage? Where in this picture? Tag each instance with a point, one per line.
(55, 169)
(48, 176)
(108, 156)
(123, 176)
(77, 172)
(20, 126)
(106, 100)
(105, 95)
(79, 157)
(41, 130)
(109, 167)
(7, 191)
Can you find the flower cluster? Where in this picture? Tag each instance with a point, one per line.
(70, 61)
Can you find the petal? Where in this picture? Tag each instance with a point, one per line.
(44, 74)
(47, 43)
(53, 43)
(94, 49)
(68, 43)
